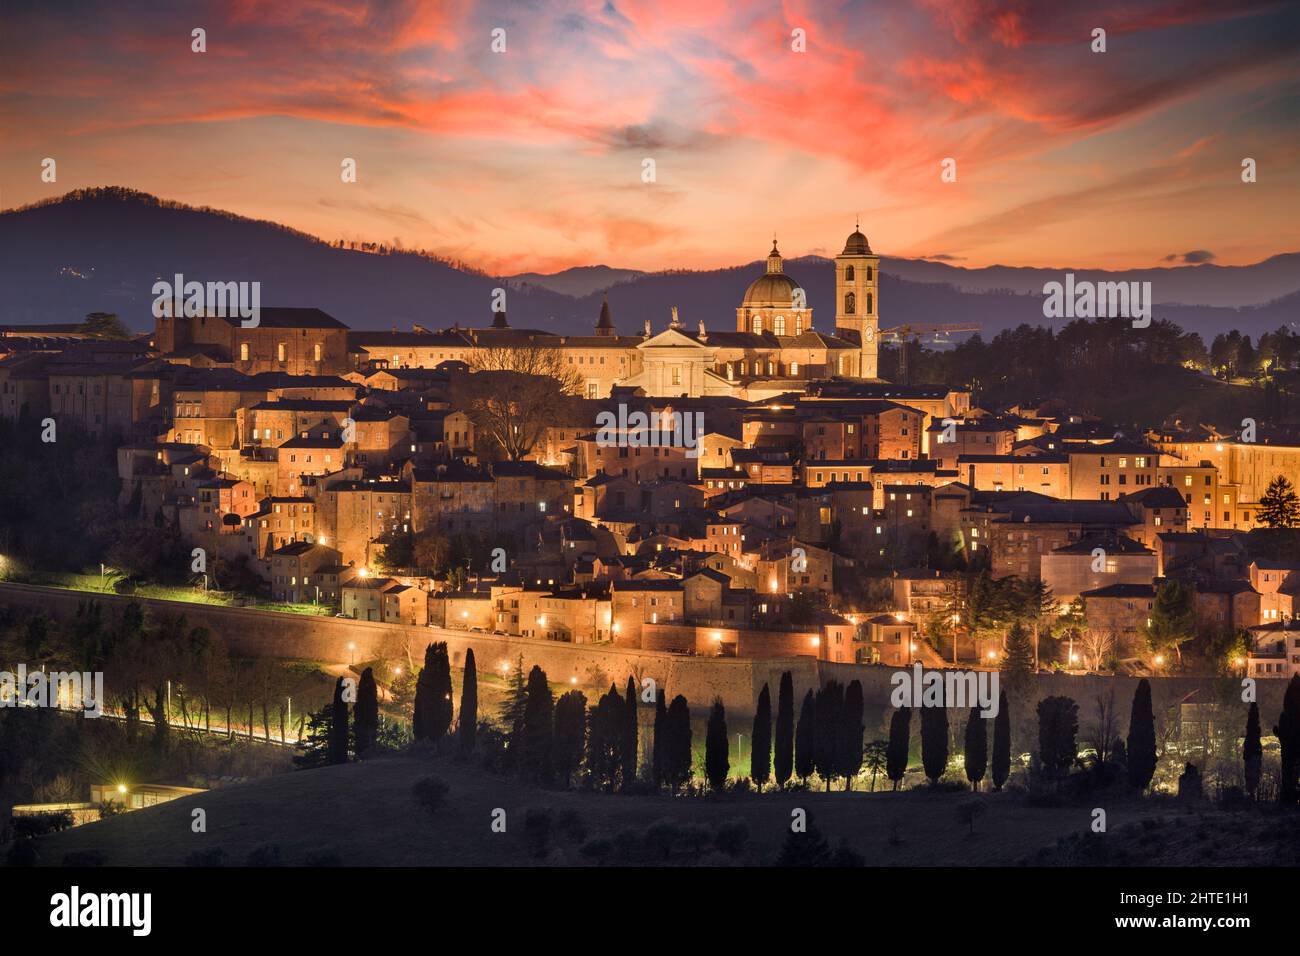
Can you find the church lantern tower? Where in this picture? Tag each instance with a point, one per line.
(605, 324)
(857, 319)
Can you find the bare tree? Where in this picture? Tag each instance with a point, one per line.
(513, 393)
(1097, 644)
(1106, 727)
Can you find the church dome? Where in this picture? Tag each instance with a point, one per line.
(772, 290)
(856, 245)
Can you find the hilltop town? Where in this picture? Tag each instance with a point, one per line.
(458, 478)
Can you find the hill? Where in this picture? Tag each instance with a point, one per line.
(363, 814)
(102, 249)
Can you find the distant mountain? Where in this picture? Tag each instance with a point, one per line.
(102, 250)
(578, 281)
(1203, 284)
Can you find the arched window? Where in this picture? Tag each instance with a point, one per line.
(243, 351)
(757, 325)
(850, 304)
(779, 325)
(794, 369)
(869, 297)
(798, 325)
(848, 274)
(280, 352)
(868, 273)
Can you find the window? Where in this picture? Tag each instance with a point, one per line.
(794, 368)
(756, 325)
(243, 351)
(316, 352)
(850, 304)
(281, 352)
(848, 274)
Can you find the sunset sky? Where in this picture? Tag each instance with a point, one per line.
(532, 159)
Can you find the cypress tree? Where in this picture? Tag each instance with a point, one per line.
(1058, 725)
(516, 699)
(1141, 747)
(631, 734)
(570, 734)
(606, 728)
(468, 728)
(849, 742)
(365, 714)
(1002, 742)
(677, 762)
(829, 703)
(1288, 738)
(760, 753)
(660, 749)
(977, 749)
(538, 728)
(1018, 665)
(716, 758)
(338, 738)
(900, 744)
(934, 741)
(783, 755)
(805, 738)
(422, 718)
(1252, 752)
(441, 688)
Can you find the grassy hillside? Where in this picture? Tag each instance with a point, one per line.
(364, 814)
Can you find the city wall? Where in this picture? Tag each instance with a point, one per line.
(737, 681)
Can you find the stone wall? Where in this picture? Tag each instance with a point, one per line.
(736, 680)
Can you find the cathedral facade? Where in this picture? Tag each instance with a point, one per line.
(774, 349)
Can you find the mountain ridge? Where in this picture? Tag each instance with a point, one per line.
(101, 249)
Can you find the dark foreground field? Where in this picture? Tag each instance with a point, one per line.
(365, 814)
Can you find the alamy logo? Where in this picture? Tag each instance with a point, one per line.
(66, 690)
(1091, 300)
(948, 687)
(74, 908)
(223, 300)
(638, 429)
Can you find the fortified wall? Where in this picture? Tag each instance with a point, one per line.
(737, 681)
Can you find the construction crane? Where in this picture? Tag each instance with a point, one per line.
(912, 333)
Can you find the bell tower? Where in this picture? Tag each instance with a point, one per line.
(857, 272)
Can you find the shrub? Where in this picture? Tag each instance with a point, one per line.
(571, 824)
(537, 830)
(846, 856)
(324, 858)
(626, 844)
(212, 856)
(23, 853)
(598, 849)
(268, 854)
(661, 836)
(732, 837)
(30, 826)
(83, 858)
(694, 837)
(430, 792)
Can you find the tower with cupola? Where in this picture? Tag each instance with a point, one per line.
(857, 274)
